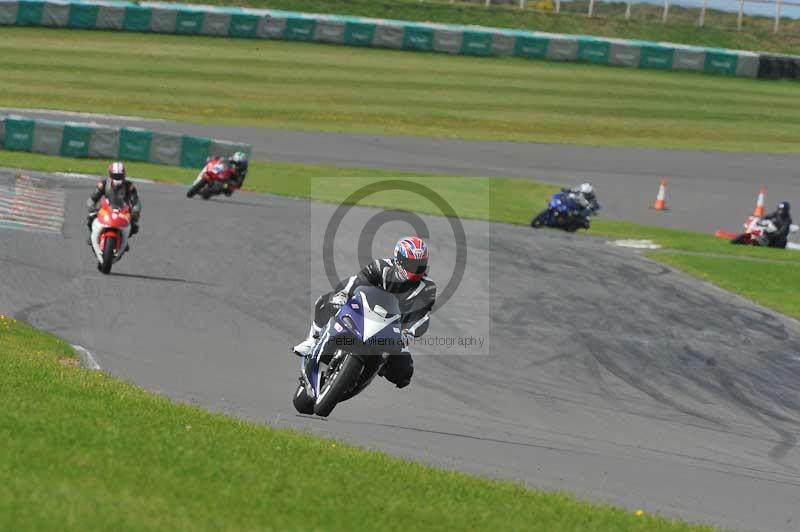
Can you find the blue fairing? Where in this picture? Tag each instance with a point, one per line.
(350, 321)
(563, 203)
(352, 332)
(562, 207)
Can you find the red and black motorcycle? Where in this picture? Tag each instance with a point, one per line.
(213, 179)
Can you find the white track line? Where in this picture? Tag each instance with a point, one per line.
(87, 360)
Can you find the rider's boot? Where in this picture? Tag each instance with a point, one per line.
(304, 348)
(89, 220)
(134, 230)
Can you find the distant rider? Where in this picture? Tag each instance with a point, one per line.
(585, 197)
(405, 276)
(116, 187)
(238, 165)
(783, 223)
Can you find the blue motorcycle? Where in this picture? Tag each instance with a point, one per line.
(564, 212)
(351, 350)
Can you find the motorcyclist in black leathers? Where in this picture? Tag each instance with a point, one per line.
(116, 187)
(405, 276)
(783, 223)
(239, 164)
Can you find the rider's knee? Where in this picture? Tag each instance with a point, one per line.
(399, 369)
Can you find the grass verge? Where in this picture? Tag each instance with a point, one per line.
(760, 274)
(83, 451)
(335, 88)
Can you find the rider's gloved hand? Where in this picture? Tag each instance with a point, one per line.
(339, 299)
(407, 337)
(90, 205)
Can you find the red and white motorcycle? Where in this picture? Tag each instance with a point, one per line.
(756, 232)
(213, 179)
(110, 231)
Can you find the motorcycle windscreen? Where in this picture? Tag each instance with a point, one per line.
(116, 198)
(380, 311)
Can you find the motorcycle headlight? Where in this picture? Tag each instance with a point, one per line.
(347, 320)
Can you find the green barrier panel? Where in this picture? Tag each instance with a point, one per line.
(418, 38)
(18, 134)
(137, 18)
(359, 33)
(654, 56)
(82, 16)
(134, 144)
(243, 26)
(592, 51)
(476, 43)
(75, 142)
(721, 63)
(535, 47)
(299, 29)
(29, 13)
(194, 151)
(188, 22)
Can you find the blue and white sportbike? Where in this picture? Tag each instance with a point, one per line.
(564, 212)
(351, 350)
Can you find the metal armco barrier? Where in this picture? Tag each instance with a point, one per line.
(159, 17)
(78, 139)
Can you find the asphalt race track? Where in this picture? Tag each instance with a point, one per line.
(707, 190)
(609, 376)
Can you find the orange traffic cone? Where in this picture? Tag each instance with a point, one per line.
(661, 199)
(759, 210)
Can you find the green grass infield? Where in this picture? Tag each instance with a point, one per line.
(320, 87)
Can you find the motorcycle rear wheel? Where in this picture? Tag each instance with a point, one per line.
(108, 254)
(344, 377)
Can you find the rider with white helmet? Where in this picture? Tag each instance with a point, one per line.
(584, 195)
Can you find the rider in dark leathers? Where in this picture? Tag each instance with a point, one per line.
(116, 187)
(783, 223)
(403, 276)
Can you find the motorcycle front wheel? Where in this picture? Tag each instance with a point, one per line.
(194, 189)
(538, 220)
(337, 384)
(302, 402)
(108, 254)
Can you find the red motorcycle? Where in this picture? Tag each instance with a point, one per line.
(757, 232)
(213, 179)
(110, 231)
